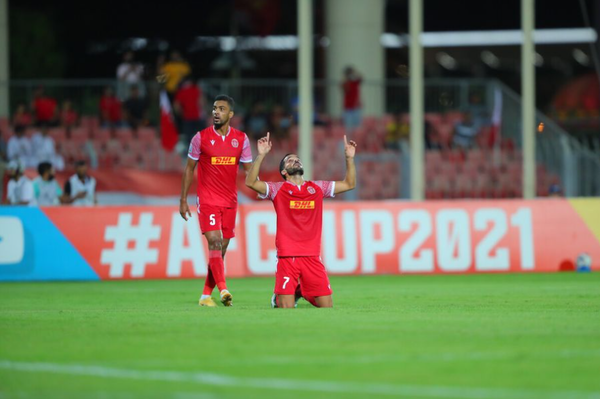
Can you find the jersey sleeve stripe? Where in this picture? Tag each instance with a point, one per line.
(266, 195)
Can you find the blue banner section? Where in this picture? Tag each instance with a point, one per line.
(33, 249)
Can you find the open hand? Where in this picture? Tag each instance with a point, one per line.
(349, 148)
(184, 210)
(264, 145)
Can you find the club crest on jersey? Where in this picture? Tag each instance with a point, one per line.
(302, 204)
(212, 142)
(222, 160)
(235, 143)
(311, 190)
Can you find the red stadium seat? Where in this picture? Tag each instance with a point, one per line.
(102, 135)
(124, 135)
(147, 134)
(80, 134)
(4, 125)
(127, 159)
(58, 134)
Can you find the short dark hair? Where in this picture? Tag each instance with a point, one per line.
(80, 162)
(225, 97)
(43, 167)
(282, 164)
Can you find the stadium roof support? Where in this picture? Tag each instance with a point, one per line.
(4, 62)
(528, 93)
(513, 37)
(417, 102)
(305, 84)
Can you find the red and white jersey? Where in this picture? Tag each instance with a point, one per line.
(219, 158)
(299, 215)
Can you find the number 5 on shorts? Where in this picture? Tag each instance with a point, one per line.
(287, 280)
(212, 219)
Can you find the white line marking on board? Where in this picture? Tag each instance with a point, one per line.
(294, 385)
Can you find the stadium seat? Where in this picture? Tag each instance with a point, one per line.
(80, 134)
(124, 135)
(147, 134)
(102, 135)
(4, 125)
(127, 159)
(58, 134)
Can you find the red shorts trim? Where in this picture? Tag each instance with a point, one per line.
(213, 218)
(309, 270)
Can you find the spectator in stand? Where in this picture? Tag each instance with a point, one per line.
(20, 149)
(555, 191)
(396, 130)
(352, 107)
(80, 189)
(44, 150)
(188, 105)
(174, 71)
(130, 73)
(295, 104)
(68, 116)
(465, 132)
(280, 123)
(19, 190)
(110, 109)
(257, 121)
(45, 109)
(478, 110)
(22, 116)
(3, 160)
(46, 189)
(136, 109)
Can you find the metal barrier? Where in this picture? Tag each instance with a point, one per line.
(556, 150)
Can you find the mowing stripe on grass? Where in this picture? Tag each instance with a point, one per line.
(293, 385)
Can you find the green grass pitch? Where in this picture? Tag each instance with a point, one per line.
(469, 336)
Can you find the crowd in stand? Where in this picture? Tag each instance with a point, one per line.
(44, 190)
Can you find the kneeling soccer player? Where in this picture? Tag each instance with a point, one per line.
(299, 207)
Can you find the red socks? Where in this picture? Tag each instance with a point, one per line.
(216, 266)
(209, 284)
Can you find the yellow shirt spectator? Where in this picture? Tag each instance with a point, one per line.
(174, 72)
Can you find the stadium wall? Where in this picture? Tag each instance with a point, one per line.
(113, 243)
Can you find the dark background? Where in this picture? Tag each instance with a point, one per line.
(77, 39)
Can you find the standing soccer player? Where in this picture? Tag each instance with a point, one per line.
(219, 149)
(299, 207)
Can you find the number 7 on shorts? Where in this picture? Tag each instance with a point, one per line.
(287, 280)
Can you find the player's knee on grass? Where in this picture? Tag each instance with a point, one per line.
(286, 301)
(324, 301)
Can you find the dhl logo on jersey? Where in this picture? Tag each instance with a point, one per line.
(302, 204)
(222, 160)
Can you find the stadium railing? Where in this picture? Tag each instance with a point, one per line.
(480, 172)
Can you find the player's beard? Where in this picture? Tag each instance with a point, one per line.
(295, 171)
(219, 124)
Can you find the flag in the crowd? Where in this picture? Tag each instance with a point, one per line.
(495, 138)
(168, 129)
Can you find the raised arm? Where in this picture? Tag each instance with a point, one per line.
(349, 181)
(188, 176)
(264, 146)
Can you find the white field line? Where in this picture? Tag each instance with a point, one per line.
(294, 385)
(433, 357)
